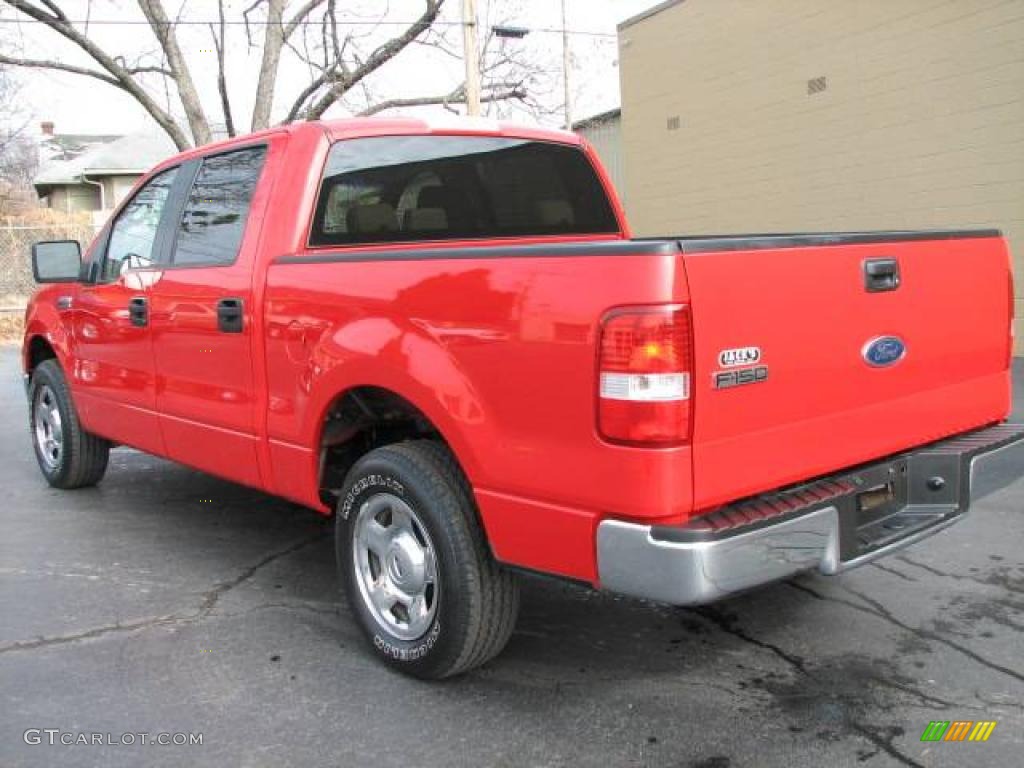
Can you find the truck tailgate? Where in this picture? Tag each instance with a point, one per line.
(804, 364)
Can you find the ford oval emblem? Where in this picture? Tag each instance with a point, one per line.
(884, 350)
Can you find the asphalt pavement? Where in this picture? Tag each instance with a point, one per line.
(166, 601)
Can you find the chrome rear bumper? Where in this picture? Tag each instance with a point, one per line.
(827, 525)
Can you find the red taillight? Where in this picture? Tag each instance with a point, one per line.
(644, 375)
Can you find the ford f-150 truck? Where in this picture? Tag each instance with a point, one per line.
(445, 335)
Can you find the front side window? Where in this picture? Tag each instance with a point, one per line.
(410, 188)
(133, 235)
(213, 221)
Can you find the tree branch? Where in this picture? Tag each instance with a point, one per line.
(458, 96)
(273, 40)
(60, 24)
(334, 67)
(245, 19)
(300, 101)
(381, 55)
(58, 65)
(222, 85)
(58, 14)
(156, 70)
(164, 31)
(300, 16)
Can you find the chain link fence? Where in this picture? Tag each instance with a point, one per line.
(16, 283)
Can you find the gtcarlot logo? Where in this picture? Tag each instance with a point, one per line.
(54, 736)
(958, 730)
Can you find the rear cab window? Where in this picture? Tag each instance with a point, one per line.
(428, 188)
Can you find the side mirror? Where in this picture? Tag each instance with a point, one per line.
(56, 261)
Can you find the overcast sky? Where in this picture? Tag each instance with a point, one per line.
(82, 105)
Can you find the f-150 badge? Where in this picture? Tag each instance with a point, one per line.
(737, 378)
(732, 358)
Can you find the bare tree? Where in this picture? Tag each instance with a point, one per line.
(340, 59)
(13, 121)
(19, 157)
(509, 75)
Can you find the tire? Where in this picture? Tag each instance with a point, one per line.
(411, 502)
(68, 456)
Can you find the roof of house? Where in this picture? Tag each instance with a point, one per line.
(600, 117)
(129, 155)
(67, 146)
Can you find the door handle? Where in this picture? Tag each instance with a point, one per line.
(881, 275)
(229, 315)
(138, 311)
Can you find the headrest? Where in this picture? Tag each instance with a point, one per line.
(555, 212)
(432, 197)
(376, 217)
(420, 219)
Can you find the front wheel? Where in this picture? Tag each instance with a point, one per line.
(414, 564)
(68, 456)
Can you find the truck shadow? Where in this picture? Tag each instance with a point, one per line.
(218, 530)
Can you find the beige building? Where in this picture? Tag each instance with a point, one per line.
(604, 132)
(802, 115)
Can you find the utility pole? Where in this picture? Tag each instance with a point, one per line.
(471, 54)
(565, 71)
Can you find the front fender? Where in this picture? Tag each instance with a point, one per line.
(43, 320)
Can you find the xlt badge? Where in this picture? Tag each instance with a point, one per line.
(733, 358)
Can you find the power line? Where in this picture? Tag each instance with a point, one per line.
(304, 23)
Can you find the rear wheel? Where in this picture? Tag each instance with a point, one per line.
(415, 566)
(68, 456)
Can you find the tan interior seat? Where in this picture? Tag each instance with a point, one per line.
(555, 212)
(376, 217)
(426, 219)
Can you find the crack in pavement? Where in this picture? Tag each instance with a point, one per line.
(723, 624)
(211, 596)
(1001, 578)
(885, 744)
(924, 698)
(930, 569)
(893, 571)
(329, 609)
(1000, 701)
(880, 611)
(206, 606)
(798, 664)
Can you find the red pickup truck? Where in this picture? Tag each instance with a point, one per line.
(445, 335)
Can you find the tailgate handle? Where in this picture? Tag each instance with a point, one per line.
(881, 275)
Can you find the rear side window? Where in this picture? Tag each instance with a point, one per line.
(213, 221)
(410, 188)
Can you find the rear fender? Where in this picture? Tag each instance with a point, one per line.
(401, 357)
